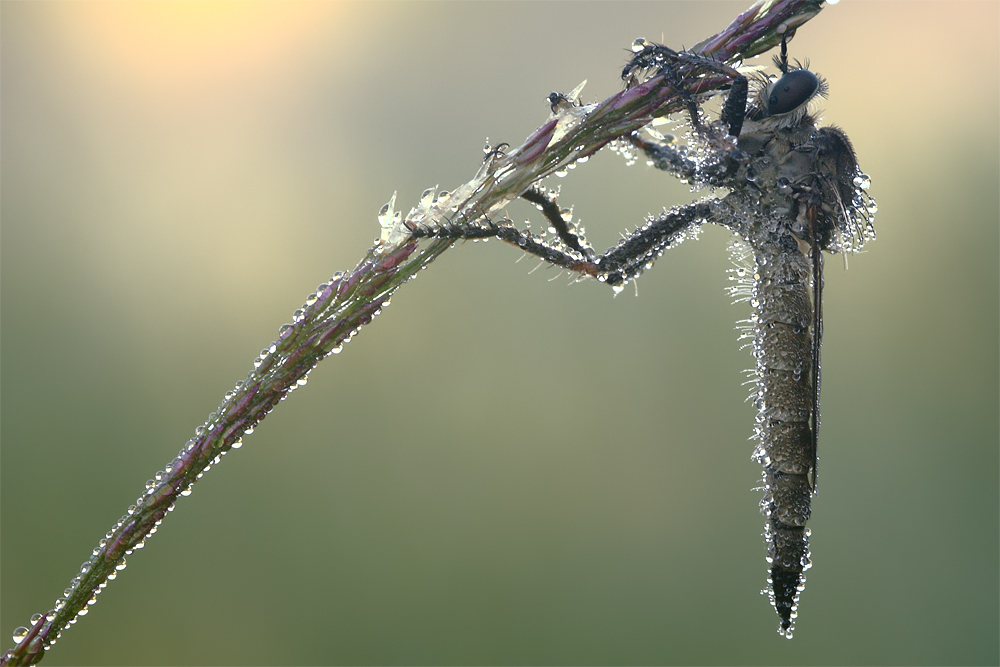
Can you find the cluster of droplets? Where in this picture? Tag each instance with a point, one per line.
(628, 152)
(857, 221)
(437, 209)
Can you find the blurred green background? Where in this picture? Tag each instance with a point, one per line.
(501, 469)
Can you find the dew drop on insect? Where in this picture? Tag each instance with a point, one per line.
(122, 565)
(186, 492)
(249, 430)
(862, 181)
(617, 289)
(237, 443)
(19, 634)
(639, 44)
(337, 349)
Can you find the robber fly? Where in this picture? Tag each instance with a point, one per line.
(794, 190)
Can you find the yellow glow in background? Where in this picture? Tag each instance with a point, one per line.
(500, 469)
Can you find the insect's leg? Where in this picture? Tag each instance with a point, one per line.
(553, 214)
(667, 156)
(639, 249)
(621, 263)
(674, 65)
(712, 168)
(735, 108)
(781, 62)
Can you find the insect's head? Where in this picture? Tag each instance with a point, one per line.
(784, 101)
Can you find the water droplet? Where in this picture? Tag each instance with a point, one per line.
(385, 213)
(122, 564)
(337, 350)
(237, 443)
(248, 431)
(19, 634)
(639, 44)
(186, 492)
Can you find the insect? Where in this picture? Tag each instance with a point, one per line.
(794, 190)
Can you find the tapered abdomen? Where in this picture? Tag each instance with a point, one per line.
(783, 348)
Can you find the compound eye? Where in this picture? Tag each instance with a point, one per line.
(791, 91)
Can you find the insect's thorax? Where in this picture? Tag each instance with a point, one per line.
(767, 192)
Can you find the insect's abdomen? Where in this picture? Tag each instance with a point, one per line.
(782, 346)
